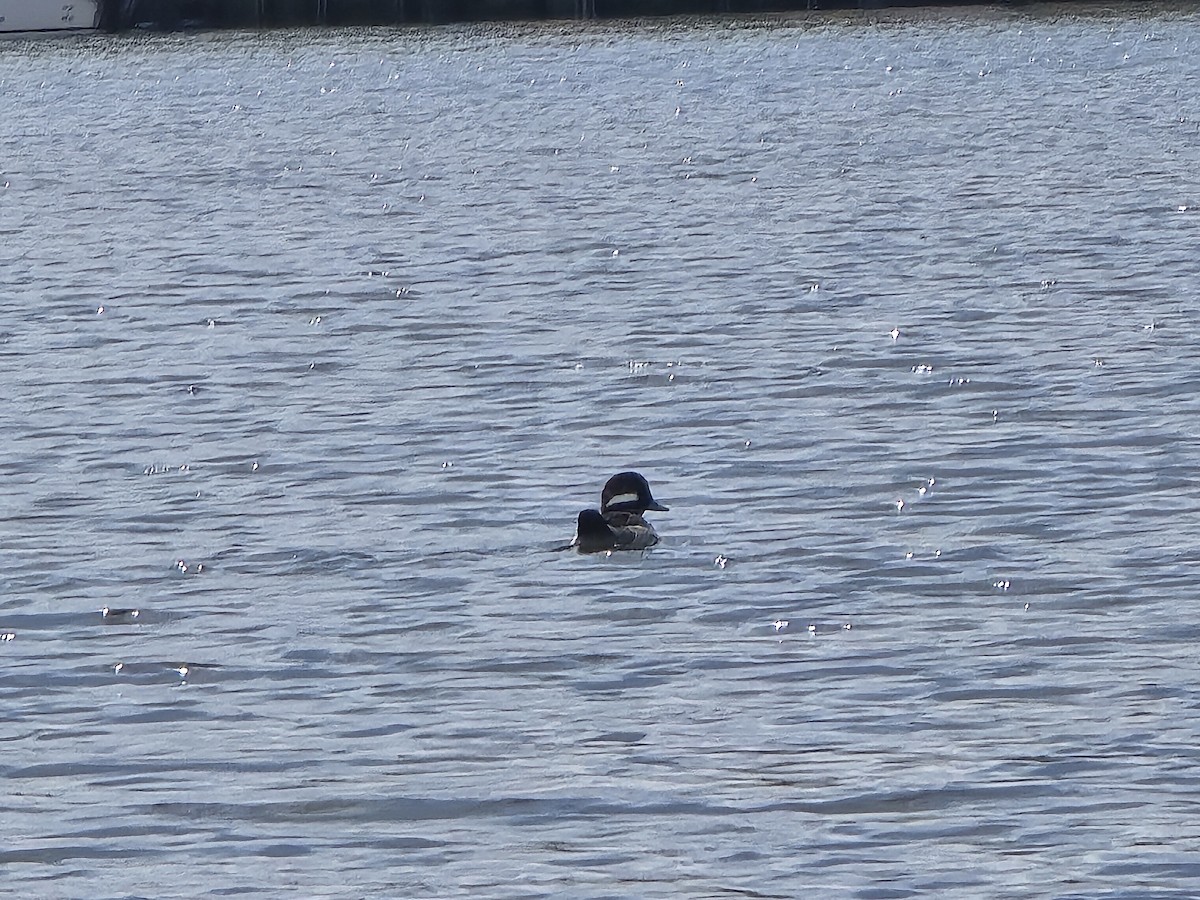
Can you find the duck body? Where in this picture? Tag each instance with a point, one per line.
(620, 523)
(622, 531)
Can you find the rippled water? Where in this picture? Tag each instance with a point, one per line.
(314, 343)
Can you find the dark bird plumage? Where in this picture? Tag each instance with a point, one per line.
(620, 522)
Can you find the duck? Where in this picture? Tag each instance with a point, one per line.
(620, 522)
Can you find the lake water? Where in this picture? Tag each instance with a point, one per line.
(314, 343)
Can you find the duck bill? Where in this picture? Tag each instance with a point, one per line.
(657, 507)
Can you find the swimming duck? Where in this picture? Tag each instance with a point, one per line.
(619, 523)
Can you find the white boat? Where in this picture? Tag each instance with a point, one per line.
(48, 15)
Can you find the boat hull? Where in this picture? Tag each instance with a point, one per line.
(22, 16)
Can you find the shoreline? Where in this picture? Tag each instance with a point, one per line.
(183, 15)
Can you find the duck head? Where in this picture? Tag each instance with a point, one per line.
(628, 492)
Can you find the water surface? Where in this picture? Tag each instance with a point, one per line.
(314, 343)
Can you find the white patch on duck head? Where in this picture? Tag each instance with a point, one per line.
(621, 498)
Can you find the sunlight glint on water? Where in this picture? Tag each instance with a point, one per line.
(315, 343)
